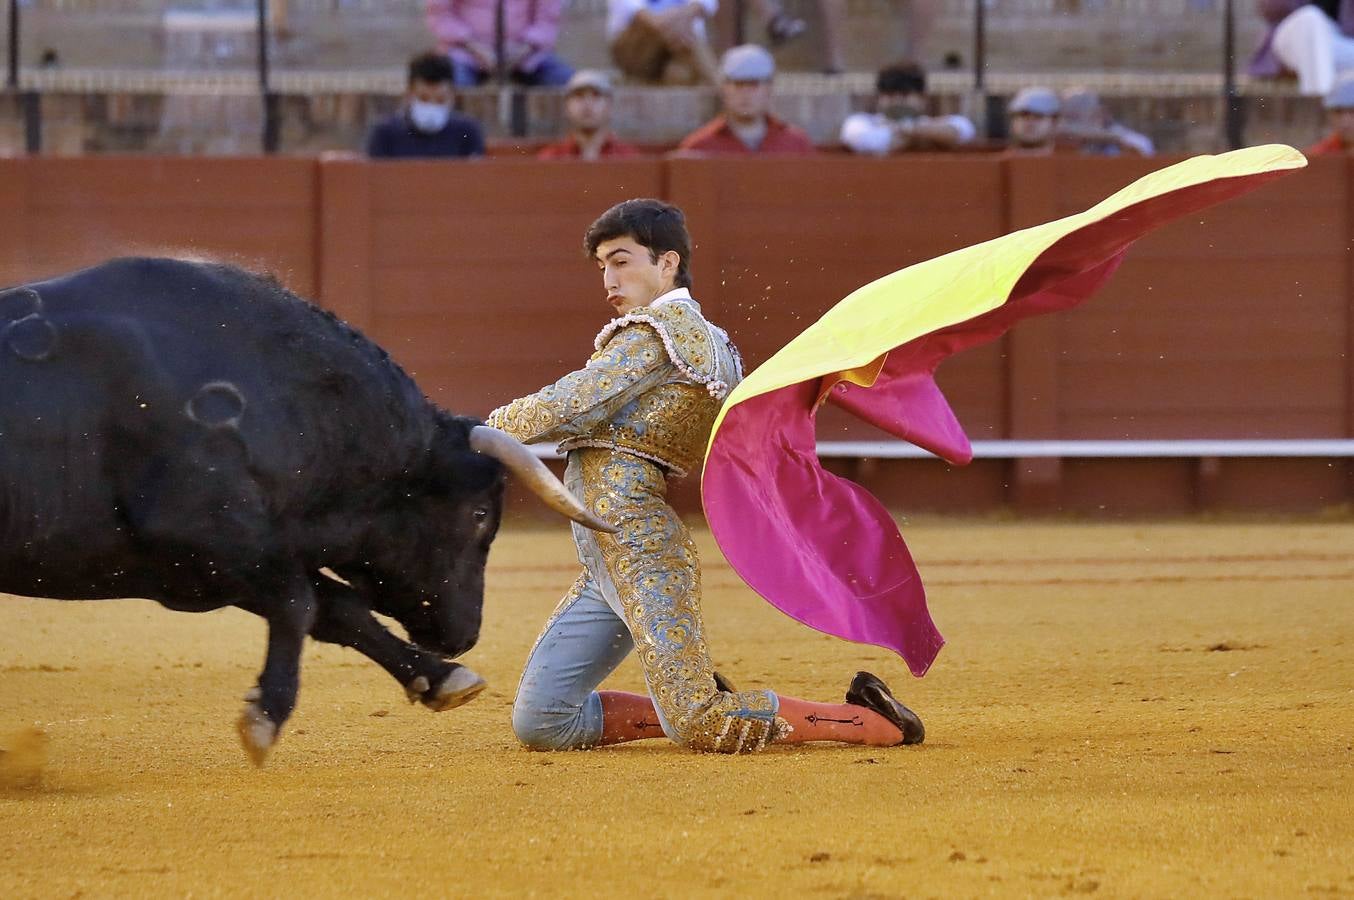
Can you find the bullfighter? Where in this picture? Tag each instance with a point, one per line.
(638, 413)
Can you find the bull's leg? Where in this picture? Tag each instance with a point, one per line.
(427, 678)
(270, 704)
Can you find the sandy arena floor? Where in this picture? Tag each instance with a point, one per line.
(1124, 710)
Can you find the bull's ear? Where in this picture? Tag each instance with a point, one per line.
(453, 465)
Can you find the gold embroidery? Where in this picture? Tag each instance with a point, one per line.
(699, 349)
(649, 390)
(585, 400)
(653, 564)
(669, 425)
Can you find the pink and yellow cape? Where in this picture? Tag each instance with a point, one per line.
(821, 548)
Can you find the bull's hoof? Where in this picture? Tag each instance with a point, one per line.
(257, 733)
(459, 687)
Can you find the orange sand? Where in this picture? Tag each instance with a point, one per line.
(1125, 710)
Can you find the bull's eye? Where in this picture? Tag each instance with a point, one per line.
(481, 514)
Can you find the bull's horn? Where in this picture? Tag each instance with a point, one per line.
(535, 474)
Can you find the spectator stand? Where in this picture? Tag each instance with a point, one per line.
(316, 84)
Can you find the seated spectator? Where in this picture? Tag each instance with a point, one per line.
(1085, 122)
(466, 31)
(587, 107)
(900, 120)
(1340, 114)
(426, 124)
(662, 41)
(1032, 122)
(1313, 39)
(746, 125)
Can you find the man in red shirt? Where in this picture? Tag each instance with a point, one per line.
(587, 107)
(747, 125)
(1340, 115)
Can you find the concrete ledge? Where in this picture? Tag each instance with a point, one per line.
(111, 110)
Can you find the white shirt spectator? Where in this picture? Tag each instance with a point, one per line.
(872, 133)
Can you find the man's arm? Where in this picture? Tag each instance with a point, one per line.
(633, 362)
(938, 132)
(474, 137)
(864, 133)
(377, 144)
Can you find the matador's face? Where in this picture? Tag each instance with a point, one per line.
(632, 276)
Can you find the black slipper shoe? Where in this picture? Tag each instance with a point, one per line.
(868, 691)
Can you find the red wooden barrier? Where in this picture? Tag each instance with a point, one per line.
(1234, 325)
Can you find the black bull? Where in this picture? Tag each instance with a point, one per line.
(197, 435)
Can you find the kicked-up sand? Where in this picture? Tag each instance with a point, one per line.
(1123, 710)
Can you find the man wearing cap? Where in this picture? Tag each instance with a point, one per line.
(747, 126)
(1084, 121)
(900, 121)
(1032, 119)
(1340, 115)
(587, 107)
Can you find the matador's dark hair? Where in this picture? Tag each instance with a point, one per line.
(652, 224)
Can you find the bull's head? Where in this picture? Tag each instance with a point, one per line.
(430, 575)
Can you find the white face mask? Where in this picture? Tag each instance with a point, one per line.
(429, 117)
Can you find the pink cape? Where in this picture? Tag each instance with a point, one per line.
(822, 549)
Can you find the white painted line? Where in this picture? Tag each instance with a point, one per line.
(1254, 449)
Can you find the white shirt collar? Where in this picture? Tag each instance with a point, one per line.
(674, 294)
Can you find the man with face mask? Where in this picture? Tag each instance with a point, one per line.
(634, 418)
(426, 126)
(747, 125)
(901, 119)
(587, 107)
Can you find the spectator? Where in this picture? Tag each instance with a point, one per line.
(1085, 122)
(662, 41)
(426, 124)
(900, 120)
(747, 125)
(466, 31)
(1340, 115)
(587, 107)
(1313, 39)
(1032, 119)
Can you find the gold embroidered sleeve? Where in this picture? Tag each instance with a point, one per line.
(632, 362)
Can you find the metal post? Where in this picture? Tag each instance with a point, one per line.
(1233, 104)
(988, 114)
(269, 99)
(32, 113)
(30, 102)
(739, 29)
(12, 81)
(501, 43)
(980, 46)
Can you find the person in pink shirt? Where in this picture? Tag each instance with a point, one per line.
(466, 30)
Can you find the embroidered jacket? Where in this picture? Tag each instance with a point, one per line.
(653, 388)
